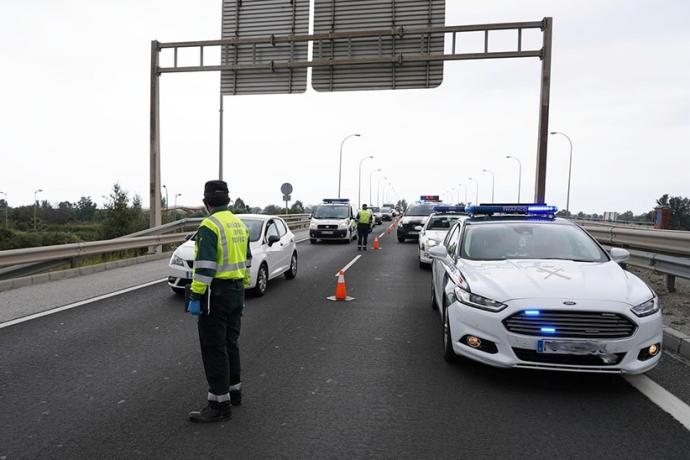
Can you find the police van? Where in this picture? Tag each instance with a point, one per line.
(333, 219)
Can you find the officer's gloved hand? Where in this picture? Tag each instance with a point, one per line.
(245, 282)
(194, 305)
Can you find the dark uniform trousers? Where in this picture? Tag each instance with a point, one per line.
(363, 234)
(219, 333)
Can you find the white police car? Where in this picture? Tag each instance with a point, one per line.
(516, 287)
(274, 253)
(434, 231)
(333, 220)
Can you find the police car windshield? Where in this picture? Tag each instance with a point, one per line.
(254, 226)
(420, 210)
(331, 212)
(441, 222)
(523, 240)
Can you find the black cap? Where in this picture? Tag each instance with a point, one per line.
(215, 187)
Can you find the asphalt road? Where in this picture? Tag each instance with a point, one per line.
(116, 378)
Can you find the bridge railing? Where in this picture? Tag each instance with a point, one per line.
(152, 237)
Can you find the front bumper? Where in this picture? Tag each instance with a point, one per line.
(179, 277)
(329, 234)
(465, 320)
(408, 231)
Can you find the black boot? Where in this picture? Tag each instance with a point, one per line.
(236, 397)
(213, 412)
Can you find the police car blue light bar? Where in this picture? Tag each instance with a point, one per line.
(336, 200)
(529, 209)
(448, 209)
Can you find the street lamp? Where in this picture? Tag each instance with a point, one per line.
(340, 165)
(570, 167)
(519, 174)
(378, 192)
(493, 182)
(370, 175)
(7, 207)
(463, 186)
(476, 197)
(36, 192)
(359, 181)
(167, 203)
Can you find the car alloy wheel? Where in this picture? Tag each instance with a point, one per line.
(261, 281)
(292, 271)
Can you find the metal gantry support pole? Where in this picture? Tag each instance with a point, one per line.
(154, 141)
(220, 140)
(540, 182)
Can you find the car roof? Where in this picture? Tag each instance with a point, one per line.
(263, 217)
(483, 219)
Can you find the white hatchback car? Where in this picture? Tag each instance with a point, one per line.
(434, 231)
(274, 253)
(521, 290)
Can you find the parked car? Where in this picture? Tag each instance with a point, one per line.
(274, 253)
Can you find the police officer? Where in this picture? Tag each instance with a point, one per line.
(221, 261)
(364, 224)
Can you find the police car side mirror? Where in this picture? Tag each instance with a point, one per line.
(619, 255)
(418, 228)
(438, 252)
(272, 239)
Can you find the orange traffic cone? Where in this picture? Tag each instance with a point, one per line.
(340, 289)
(376, 245)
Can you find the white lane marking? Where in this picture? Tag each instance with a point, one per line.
(661, 397)
(381, 235)
(301, 241)
(23, 319)
(352, 262)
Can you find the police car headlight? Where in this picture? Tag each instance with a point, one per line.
(477, 301)
(312, 226)
(431, 243)
(647, 308)
(176, 260)
(342, 225)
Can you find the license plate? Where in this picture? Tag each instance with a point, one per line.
(571, 347)
(413, 233)
(327, 232)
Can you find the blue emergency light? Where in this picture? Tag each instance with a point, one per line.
(527, 209)
(448, 209)
(336, 200)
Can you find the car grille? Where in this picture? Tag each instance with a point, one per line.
(576, 360)
(327, 227)
(574, 324)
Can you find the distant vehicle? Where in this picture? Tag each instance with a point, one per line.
(415, 216)
(378, 217)
(434, 231)
(386, 214)
(333, 220)
(517, 287)
(274, 253)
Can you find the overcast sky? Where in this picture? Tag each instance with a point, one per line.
(74, 108)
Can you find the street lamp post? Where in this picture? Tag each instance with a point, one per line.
(7, 208)
(476, 197)
(378, 192)
(493, 182)
(370, 175)
(519, 174)
(463, 186)
(340, 164)
(167, 203)
(359, 181)
(570, 167)
(36, 192)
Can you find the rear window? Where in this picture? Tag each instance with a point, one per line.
(420, 210)
(441, 222)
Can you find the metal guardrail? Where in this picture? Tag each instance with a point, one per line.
(145, 238)
(670, 242)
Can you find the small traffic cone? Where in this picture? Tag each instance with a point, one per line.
(340, 290)
(376, 245)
